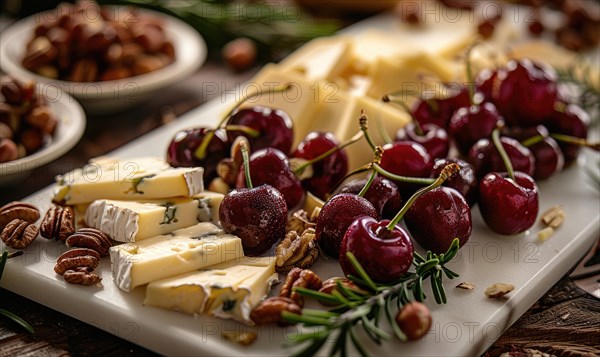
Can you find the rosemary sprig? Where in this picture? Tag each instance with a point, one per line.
(276, 30)
(8, 314)
(580, 74)
(363, 308)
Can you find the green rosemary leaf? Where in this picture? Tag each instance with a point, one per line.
(356, 280)
(357, 344)
(328, 298)
(441, 287)
(313, 347)
(372, 334)
(315, 334)
(390, 316)
(361, 271)
(24, 324)
(307, 320)
(319, 313)
(342, 299)
(350, 293)
(342, 341)
(436, 292)
(418, 290)
(3, 262)
(428, 265)
(449, 273)
(418, 258)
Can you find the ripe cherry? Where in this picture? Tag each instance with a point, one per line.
(273, 126)
(548, 155)
(406, 159)
(508, 201)
(465, 181)
(326, 172)
(271, 167)
(437, 217)
(183, 146)
(257, 215)
(485, 158)
(433, 138)
(383, 195)
(438, 111)
(383, 248)
(572, 121)
(469, 124)
(336, 216)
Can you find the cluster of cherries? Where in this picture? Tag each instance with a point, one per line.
(541, 133)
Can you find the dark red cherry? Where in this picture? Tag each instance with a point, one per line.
(274, 127)
(385, 255)
(465, 181)
(433, 138)
(383, 195)
(438, 111)
(336, 216)
(327, 172)
(485, 158)
(572, 121)
(507, 206)
(469, 124)
(437, 217)
(270, 166)
(257, 215)
(182, 151)
(407, 159)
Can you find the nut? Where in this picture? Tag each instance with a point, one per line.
(41, 117)
(19, 234)
(39, 52)
(240, 54)
(81, 276)
(330, 285)
(5, 131)
(244, 338)
(466, 285)
(296, 251)
(90, 238)
(553, 217)
(300, 278)
(32, 139)
(414, 319)
(8, 150)
(269, 310)
(59, 223)
(498, 290)
(77, 258)
(11, 90)
(299, 222)
(18, 210)
(218, 185)
(147, 63)
(84, 70)
(545, 233)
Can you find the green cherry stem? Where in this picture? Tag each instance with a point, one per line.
(447, 171)
(529, 142)
(362, 121)
(392, 99)
(366, 187)
(418, 180)
(567, 139)
(246, 158)
(503, 154)
(253, 133)
(469, 69)
(201, 151)
(352, 140)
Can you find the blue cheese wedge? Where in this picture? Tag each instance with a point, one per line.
(183, 251)
(130, 179)
(229, 290)
(131, 221)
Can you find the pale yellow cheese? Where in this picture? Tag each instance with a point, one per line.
(227, 290)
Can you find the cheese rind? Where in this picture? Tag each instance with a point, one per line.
(130, 179)
(131, 221)
(184, 250)
(228, 290)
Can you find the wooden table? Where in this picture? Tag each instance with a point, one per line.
(564, 321)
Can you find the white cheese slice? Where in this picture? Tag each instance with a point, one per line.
(131, 179)
(183, 251)
(227, 290)
(131, 221)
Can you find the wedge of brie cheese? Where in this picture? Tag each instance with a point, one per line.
(129, 179)
(183, 251)
(228, 290)
(131, 221)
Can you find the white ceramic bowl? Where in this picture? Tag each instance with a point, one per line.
(71, 124)
(109, 96)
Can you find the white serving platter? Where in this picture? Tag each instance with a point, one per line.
(467, 325)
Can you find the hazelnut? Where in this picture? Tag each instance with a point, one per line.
(40, 52)
(8, 150)
(32, 139)
(414, 319)
(5, 131)
(240, 54)
(41, 117)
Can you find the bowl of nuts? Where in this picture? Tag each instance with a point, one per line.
(38, 124)
(108, 58)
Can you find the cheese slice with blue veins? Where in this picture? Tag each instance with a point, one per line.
(127, 179)
(229, 290)
(133, 221)
(183, 251)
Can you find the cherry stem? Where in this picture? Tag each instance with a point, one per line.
(503, 154)
(387, 99)
(575, 141)
(352, 140)
(201, 151)
(407, 179)
(365, 129)
(253, 133)
(381, 128)
(352, 173)
(246, 158)
(367, 185)
(447, 171)
(469, 69)
(532, 140)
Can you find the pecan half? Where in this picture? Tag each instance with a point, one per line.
(81, 276)
(19, 234)
(296, 251)
(58, 222)
(269, 310)
(498, 290)
(330, 285)
(299, 222)
(18, 210)
(90, 238)
(77, 258)
(303, 278)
